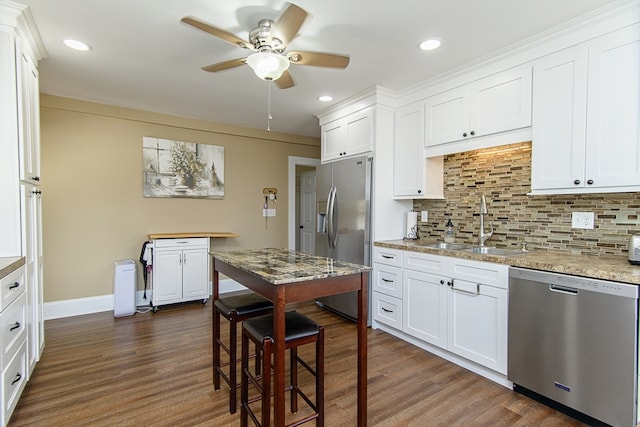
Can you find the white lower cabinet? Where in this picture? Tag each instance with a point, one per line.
(13, 341)
(180, 270)
(453, 304)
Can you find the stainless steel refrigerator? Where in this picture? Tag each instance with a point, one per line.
(343, 226)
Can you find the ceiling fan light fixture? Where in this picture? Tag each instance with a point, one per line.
(268, 65)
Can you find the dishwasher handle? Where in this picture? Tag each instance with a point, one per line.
(563, 289)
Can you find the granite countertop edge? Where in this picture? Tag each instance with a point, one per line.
(606, 267)
(10, 264)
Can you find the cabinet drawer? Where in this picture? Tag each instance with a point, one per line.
(387, 280)
(11, 286)
(387, 310)
(484, 273)
(181, 243)
(392, 257)
(14, 378)
(13, 331)
(425, 263)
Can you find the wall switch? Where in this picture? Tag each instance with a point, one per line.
(582, 220)
(268, 212)
(424, 216)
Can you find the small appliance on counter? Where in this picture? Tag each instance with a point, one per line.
(634, 249)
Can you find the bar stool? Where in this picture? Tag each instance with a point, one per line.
(235, 309)
(299, 330)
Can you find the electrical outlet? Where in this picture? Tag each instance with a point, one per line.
(582, 220)
(424, 216)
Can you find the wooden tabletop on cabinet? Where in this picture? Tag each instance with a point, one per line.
(212, 234)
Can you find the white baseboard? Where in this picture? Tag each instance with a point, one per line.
(88, 305)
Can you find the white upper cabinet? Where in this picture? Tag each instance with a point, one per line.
(29, 100)
(586, 105)
(414, 176)
(497, 103)
(349, 136)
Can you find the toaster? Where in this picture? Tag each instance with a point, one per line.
(634, 249)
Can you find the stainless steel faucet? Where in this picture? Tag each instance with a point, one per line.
(482, 236)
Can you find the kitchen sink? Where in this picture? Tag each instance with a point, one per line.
(443, 245)
(489, 250)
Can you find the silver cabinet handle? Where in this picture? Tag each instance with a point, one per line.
(476, 293)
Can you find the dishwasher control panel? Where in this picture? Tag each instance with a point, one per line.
(576, 282)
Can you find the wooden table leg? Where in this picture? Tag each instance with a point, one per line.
(279, 354)
(363, 314)
(216, 328)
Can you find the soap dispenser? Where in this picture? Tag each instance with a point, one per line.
(449, 232)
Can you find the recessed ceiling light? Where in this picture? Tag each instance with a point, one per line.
(77, 45)
(430, 44)
(325, 98)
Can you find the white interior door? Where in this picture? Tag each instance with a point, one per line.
(307, 211)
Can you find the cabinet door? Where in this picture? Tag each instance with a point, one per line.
(613, 110)
(195, 268)
(10, 243)
(29, 119)
(32, 251)
(167, 275)
(501, 102)
(334, 140)
(478, 324)
(408, 152)
(359, 127)
(559, 121)
(424, 307)
(447, 116)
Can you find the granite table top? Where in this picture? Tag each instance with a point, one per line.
(282, 266)
(615, 268)
(10, 264)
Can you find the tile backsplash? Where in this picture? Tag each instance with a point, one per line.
(503, 175)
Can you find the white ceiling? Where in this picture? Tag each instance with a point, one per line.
(143, 57)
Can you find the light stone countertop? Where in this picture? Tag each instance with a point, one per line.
(281, 266)
(615, 268)
(10, 264)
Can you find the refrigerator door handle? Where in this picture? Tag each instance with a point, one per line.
(329, 216)
(334, 218)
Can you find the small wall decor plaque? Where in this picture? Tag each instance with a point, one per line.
(182, 169)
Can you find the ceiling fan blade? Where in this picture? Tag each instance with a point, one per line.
(318, 59)
(225, 65)
(289, 23)
(285, 81)
(222, 34)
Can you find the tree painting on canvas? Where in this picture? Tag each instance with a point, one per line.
(182, 169)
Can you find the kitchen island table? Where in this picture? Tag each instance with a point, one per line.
(284, 276)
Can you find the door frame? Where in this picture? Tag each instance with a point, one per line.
(291, 225)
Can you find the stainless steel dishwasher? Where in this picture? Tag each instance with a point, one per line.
(574, 340)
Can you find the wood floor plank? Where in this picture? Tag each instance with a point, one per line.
(155, 369)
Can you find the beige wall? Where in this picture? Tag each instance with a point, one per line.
(94, 212)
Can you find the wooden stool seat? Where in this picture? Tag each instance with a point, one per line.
(235, 309)
(299, 330)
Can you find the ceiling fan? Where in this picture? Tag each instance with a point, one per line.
(268, 41)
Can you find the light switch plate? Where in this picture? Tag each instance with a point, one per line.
(582, 220)
(268, 212)
(424, 216)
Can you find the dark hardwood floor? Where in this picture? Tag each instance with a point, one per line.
(155, 369)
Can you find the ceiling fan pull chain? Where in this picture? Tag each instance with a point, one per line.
(269, 117)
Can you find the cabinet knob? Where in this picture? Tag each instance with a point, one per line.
(472, 133)
(35, 178)
(576, 182)
(589, 181)
(442, 282)
(301, 227)
(419, 191)
(464, 134)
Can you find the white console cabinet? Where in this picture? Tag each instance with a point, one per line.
(180, 270)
